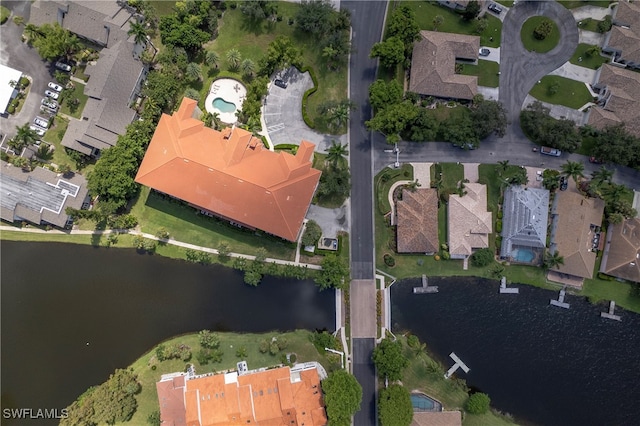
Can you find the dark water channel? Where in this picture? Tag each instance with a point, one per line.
(543, 364)
(56, 298)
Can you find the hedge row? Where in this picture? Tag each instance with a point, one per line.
(308, 93)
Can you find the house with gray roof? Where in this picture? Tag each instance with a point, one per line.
(525, 215)
(40, 196)
(115, 78)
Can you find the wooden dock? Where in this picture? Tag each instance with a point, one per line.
(454, 367)
(560, 302)
(506, 290)
(426, 288)
(610, 314)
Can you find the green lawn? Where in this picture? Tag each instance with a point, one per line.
(385, 179)
(570, 93)
(533, 44)
(453, 22)
(506, 3)
(77, 93)
(571, 4)
(251, 40)
(4, 14)
(184, 224)
(581, 58)
(163, 7)
(589, 24)
(487, 72)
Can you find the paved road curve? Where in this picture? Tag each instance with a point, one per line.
(366, 22)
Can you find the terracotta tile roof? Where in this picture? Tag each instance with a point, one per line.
(469, 221)
(272, 397)
(434, 61)
(622, 254)
(625, 35)
(418, 221)
(230, 173)
(437, 418)
(571, 232)
(623, 99)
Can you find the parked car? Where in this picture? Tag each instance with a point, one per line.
(280, 83)
(495, 8)
(484, 52)
(62, 66)
(52, 95)
(550, 151)
(564, 182)
(49, 104)
(39, 130)
(41, 122)
(55, 87)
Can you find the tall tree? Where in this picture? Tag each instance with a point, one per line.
(314, 17)
(248, 67)
(24, 136)
(395, 407)
(56, 42)
(336, 152)
(552, 260)
(471, 11)
(193, 72)
(389, 359)
(212, 59)
(403, 24)
(32, 32)
(437, 21)
(489, 117)
(139, 33)
(342, 397)
(575, 169)
(334, 273)
(382, 94)
(390, 52)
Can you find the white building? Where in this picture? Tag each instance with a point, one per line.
(7, 89)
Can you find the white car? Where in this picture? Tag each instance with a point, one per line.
(54, 86)
(41, 122)
(52, 95)
(39, 130)
(49, 104)
(62, 66)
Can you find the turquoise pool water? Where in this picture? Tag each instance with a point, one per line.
(422, 402)
(223, 106)
(523, 255)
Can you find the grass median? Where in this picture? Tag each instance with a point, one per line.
(558, 90)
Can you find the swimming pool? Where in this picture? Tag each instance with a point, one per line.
(523, 255)
(422, 402)
(223, 105)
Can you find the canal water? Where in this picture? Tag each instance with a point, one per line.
(544, 365)
(72, 314)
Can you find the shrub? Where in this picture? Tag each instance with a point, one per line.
(543, 29)
(11, 109)
(413, 341)
(324, 340)
(306, 95)
(24, 81)
(208, 339)
(482, 257)
(273, 347)
(389, 260)
(498, 226)
(478, 403)
(605, 25)
(312, 234)
(241, 352)
(264, 346)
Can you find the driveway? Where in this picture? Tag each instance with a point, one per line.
(575, 72)
(494, 54)
(331, 221)
(521, 69)
(283, 113)
(593, 12)
(16, 54)
(560, 111)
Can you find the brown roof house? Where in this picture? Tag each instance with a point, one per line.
(469, 221)
(575, 233)
(618, 99)
(277, 396)
(115, 78)
(433, 65)
(230, 174)
(623, 41)
(621, 258)
(40, 196)
(417, 229)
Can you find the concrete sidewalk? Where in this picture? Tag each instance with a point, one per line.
(593, 12)
(575, 72)
(489, 93)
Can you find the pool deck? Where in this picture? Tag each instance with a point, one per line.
(229, 90)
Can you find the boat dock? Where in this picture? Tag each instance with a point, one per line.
(610, 315)
(454, 367)
(506, 290)
(560, 302)
(426, 288)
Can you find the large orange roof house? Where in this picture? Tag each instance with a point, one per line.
(281, 396)
(230, 173)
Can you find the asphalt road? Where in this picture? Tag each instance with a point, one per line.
(16, 54)
(367, 20)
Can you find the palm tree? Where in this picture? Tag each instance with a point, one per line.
(248, 67)
(212, 59)
(193, 72)
(339, 114)
(234, 58)
(71, 43)
(437, 21)
(139, 33)
(614, 192)
(336, 152)
(32, 32)
(574, 169)
(413, 185)
(552, 260)
(504, 165)
(602, 175)
(24, 137)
